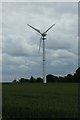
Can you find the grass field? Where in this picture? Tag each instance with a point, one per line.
(38, 100)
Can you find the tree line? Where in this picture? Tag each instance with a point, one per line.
(51, 78)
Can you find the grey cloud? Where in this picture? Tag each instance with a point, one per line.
(21, 43)
(19, 66)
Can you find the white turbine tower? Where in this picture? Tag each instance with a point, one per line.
(43, 37)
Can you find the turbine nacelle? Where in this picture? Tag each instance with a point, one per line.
(44, 37)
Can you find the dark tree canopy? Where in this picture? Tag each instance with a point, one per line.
(78, 71)
(52, 78)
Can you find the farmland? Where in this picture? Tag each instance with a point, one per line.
(38, 100)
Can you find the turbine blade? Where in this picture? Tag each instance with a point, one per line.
(35, 29)
(49, 29)
(40, 44)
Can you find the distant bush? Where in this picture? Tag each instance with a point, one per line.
(39, 79)
(51, 78)
(76, 76)
(22, 80)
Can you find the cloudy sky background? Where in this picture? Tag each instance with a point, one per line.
(21, 43)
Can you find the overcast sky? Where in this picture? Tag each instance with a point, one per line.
(21, 57)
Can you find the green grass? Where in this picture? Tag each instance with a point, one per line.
(38, 100)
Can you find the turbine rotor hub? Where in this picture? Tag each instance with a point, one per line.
(44, 34)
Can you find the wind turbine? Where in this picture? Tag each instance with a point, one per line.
(43, 37)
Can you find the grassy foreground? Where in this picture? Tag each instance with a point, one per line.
(38, 100)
